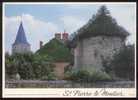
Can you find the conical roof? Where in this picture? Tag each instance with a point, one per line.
(21, 38)
(102, 23)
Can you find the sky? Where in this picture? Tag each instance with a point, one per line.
(42, 21)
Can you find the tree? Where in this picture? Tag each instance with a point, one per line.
(43, 67)
(28, 66)
(24, 65)
(123, 64)
(10, 66)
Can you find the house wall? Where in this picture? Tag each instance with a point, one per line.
(59, 69)
(90, 52)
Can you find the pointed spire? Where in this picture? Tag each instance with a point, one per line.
(21, 38)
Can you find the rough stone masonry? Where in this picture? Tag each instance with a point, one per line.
(91, 51)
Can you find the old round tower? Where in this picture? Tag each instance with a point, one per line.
(98, 40)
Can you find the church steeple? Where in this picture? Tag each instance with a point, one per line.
(21, 44)
(21, 37)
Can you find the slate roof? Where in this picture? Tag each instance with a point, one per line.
(21, 38)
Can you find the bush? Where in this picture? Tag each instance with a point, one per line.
(28, 66)
(50, 76)
(98, 75)
(87, 75)
(123, 64)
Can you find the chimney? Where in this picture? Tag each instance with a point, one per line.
(65, 36)
(58, 36)
(41, 44)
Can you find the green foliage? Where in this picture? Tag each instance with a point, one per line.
(10, 66)
(56, 50)
(68, 68)
(102, 23)
(38, 65)
(24, 65)
(50, 76)
(29, 66)
(87, 75)
(107, 67)
(123, 63)
(42, 66)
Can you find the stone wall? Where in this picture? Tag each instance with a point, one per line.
(90, 52)
(67, 84)
(21, 48)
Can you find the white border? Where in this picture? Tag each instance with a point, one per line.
(68, 3)
(39, 91)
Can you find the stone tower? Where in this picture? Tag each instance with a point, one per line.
(20, 45)
(98, 40)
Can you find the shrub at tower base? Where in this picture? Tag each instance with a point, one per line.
(87, 75)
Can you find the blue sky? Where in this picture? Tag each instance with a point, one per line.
(41, 22)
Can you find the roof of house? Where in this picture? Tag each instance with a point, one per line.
(57, 50)
(21, 37)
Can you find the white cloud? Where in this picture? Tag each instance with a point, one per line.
(126, 17)
(72, 23)
(35, 30)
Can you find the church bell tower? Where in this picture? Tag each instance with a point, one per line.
(21, 44)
